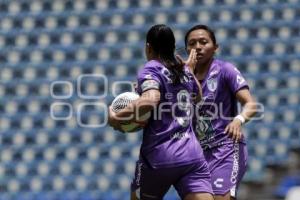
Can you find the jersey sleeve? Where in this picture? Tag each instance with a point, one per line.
(234, 78)
(148, 78)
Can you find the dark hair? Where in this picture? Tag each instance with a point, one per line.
(204, 27)
(162, 40)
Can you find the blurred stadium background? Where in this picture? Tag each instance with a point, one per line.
(46, 45)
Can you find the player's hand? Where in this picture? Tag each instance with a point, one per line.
(142, 124)
(191, 61)
(113, 120)
(233, 129)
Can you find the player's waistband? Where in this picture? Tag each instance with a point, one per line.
(217, 144)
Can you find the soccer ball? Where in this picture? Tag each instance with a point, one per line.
(121, 102)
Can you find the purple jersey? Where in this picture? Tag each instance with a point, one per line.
(219, 104)
(168, 138)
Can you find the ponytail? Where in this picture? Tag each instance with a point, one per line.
(162, 40)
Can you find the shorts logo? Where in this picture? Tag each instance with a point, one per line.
(235, 168)
(218, 182)
(139, 174)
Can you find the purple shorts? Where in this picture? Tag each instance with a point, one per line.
(153, 184)
(227, 165)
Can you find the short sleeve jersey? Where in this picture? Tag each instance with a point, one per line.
(219, 104)
(168, 138)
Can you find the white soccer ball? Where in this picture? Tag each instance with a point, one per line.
(121, 102)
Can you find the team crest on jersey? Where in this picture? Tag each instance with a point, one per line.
(212, 84)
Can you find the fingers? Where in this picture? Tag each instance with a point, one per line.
(234, 131)
(192, 56)
(191, 62)
(180, 60)
(230, 131)
(142, 123)
(226, 129)
(236, 134)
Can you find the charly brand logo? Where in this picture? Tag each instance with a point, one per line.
(218, 182)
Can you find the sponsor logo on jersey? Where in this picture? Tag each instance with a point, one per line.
(167, 74)
(181, 135)
(240, 79)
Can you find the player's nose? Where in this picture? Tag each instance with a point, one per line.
(198, 46)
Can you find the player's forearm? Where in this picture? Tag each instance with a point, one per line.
(199, 96)
(249, 110)
(138, 108)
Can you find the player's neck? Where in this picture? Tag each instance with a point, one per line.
(202, 69)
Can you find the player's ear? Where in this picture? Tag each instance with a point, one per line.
(148, 50)
(216, 47)
(148, 47)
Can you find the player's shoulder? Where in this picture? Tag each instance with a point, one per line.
(224, 65)
(153, 64)
(150, 68)
(227, 67)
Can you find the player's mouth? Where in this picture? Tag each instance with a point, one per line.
(199, 56)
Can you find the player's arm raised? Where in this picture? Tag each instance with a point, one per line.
(191, 63)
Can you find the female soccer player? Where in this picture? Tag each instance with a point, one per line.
(217, 124)
(170, 153)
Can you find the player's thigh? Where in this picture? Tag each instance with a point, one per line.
(195, 181)
(151, 183)
(133, 196)
(199, 196)
(228, 170)
(227, 196)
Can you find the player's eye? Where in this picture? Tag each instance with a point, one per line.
(203, 42)
(191, 43)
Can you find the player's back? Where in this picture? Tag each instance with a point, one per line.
(168, 138)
